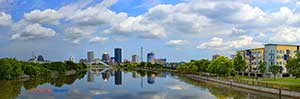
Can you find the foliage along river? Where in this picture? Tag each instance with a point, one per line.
(117, 84)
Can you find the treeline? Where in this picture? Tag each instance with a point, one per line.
(221, 66)
(11, 68)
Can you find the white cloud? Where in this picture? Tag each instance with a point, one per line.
(96, 16)
(222, 45)
(98, 39)
(32, 31)
(286, 34)
(75, 34)
(176, 42)
(84, 20)
(47, 16)
(5, 19)
(139, 27)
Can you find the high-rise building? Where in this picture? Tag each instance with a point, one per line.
(72, 59)
(40, 58)
(135, 59)
(112, 60)
(90, 56)
(151, 58)
(118, 55)
(105, 58)
(118, 77)
(161, 61)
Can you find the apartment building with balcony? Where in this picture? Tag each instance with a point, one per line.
(253, 57)
(272, 54)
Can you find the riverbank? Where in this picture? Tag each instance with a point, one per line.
(275, 90)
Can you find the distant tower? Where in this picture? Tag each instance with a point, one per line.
(141, 54)
(90, 56)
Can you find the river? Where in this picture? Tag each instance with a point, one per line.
(125, 84)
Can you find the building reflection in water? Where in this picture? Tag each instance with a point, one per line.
(91, 76)
(105, 76)
(151, 78)
(118, 77)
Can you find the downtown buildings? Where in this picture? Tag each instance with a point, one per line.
(135, 59)
(271, 54)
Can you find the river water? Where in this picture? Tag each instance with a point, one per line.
(125, 84)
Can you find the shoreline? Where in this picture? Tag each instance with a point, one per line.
(277, 91)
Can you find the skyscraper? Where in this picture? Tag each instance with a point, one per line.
(90, 56)
(118, 55)
(40, 58)
(106, 58)
(135, 59)
(151, 58)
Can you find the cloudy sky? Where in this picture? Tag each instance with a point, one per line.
(178, 30)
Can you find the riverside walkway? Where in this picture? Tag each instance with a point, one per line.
(258, 88)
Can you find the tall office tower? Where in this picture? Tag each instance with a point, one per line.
(135, 59)
(151, 58)
(118, 77)
(118, 55)
(90, 56)
(72, 59)
(105, 58)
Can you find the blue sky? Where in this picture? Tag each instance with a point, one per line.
(179, 30)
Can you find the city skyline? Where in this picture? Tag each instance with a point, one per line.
(179, 30)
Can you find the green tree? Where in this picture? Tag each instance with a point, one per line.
(262, 67)
(5, 69)
(293, 66)
(275, 69)
(221, 66)
(239, 63)
(56, 66)
(71, 65)
(201, 64)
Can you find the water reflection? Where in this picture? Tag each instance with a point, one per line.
(91, 76)
(151, 78)
(12, 89)
(157, 85)
(118, 77)
(105, 75)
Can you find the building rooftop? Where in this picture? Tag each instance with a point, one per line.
(282, 44)
(253, 49)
